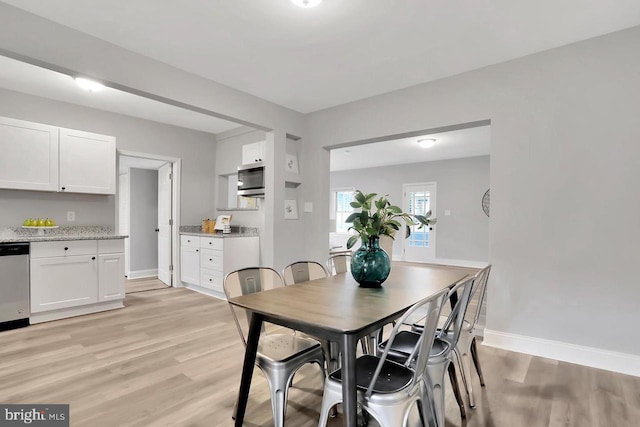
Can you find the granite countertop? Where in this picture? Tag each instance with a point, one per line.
(18, 234)
(236, 231)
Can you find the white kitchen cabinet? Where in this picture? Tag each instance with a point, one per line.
(87, 162)
(252, 153)
(190, 264)
(48, 158)
(111, 270)
(29, 159)
(74, 277)
(63, 282)
(207, 260)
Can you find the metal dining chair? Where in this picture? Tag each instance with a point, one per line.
(280, 355)
(441, 354)
(388, 390)
(466, 348)
(303, 271)
(339, 263)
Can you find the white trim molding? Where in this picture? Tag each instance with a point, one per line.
(623, 363)
(140, 274)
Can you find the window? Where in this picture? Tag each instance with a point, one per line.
(342, 208)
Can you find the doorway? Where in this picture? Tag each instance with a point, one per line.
(419, 199)
(147, 211)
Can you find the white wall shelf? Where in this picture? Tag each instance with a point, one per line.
(292, 180)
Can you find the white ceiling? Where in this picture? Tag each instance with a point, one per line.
(340, 51)
(449, 145)
(22, 77)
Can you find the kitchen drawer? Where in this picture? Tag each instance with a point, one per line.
(111, 246)
(63, 248)
(190, 241)
(212, 280)
(211, 260)
(211, 243)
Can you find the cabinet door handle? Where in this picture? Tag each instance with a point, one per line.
(66, 248)
(210, 259)
(197, 250)
(157, 230)
(63, 188)
(93, 258)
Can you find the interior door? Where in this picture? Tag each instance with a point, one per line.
(421, 244)
(164, 223)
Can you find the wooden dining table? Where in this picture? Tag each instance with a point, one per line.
(336, 309)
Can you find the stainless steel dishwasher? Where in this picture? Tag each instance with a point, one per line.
(14, 285)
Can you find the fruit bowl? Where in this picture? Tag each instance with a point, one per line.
(40, 228)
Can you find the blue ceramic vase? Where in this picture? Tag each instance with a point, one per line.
(370, 265)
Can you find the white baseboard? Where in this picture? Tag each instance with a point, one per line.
(140, 274)
(205, 291)
(588, 356)
(74, 311)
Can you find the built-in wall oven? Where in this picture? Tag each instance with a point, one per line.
(14, 285)
(251, 180)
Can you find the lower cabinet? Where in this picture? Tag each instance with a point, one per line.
(190, 265)
(62, 282)
(111, 277)
(67, 276)
(206, 260)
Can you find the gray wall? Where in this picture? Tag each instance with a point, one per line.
(460, 185)
(16, 205)
(143, 192)
(565, 162)
(196, 149)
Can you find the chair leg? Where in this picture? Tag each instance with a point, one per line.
(463, 354)
(329, 402)
(435, 374)
(278, 400)
(476, 361)
(456, 389)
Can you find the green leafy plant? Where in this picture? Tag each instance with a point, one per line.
(384, 220)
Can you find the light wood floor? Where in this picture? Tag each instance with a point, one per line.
(173, 357)
(143, 285)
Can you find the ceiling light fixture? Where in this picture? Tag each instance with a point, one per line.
(90, 85)
(307, 4)
(427, 142)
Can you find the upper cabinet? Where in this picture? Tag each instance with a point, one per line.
(48, 158)
(253, 153)
(29, 159)
(87, 162)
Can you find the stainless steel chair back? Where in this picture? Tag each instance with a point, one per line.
(303, 271)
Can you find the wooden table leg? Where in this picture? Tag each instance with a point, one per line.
(349, 393)
(247, 369)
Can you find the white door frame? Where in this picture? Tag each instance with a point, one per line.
(432, 237)
(175, 207)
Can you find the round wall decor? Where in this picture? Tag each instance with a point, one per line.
(485, 202)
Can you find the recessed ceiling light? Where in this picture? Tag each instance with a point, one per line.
(427, 142)
(90, 85)
(307, 4)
